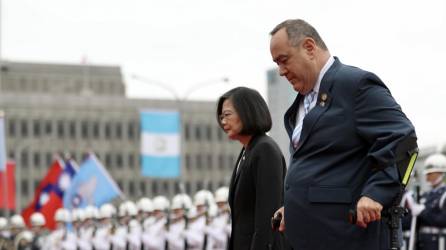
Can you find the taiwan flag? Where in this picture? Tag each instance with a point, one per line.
(49, 194)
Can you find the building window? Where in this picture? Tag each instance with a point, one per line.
(24, 128)
(209, 132)
(199, 185)
(48, 127)
(119, 160)
(49, 158)
(221, 162)
(11, 128)
(209, 161)
(166, 187)
(188, 161)
(24, 159)
(120, 185)
(96, 129)
(60, 129)
(210, 186)
(118, 130)
(132, 188)
(131, 131)
(198, 133)
(142, 188)
(72, 129)
(36, 128)
(220, 134)
(188, 187)
(107, 131)
(24, 187)
(108, 161)
(187, 132)
(36, 160)
(84, 129)
(155, 188)
(131, 160)
(230, 161)
(198, 162)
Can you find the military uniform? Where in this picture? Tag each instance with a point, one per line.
(432, 220)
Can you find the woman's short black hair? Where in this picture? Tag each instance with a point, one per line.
(250, 107)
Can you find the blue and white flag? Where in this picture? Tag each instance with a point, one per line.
(2, 142)
(92, 185)
(160, 144)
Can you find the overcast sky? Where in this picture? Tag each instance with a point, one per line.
(184, 43)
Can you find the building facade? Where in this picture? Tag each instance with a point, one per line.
(74, 109)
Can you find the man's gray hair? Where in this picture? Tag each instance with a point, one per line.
(297, 29)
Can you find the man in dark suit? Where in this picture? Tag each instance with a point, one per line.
(345, 128)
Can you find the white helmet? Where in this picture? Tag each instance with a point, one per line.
(160, 203)
(3, 223)
(145, 205)
(181, 201)
(37, 219)
(17, 221)
(435, 163)
(62, 215)
(91, 212)
(106, 211)
(77, 214)
(127, 208)
(132, 210)
(203, 197)
(221, 194)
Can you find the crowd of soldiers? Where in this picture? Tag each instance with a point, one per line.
(425, 226)
(157, 224)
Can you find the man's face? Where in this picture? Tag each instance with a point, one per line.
(296, 63)
(432, 178)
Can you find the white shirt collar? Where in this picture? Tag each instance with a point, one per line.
(324, 70)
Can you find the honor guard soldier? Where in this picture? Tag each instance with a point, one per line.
(145, 208)
(17, 225)
(154, 237)
(39, 231)
(87, 228)
(431, 212)
(105, 228)
(195, 234)
(4, 233)
(181, 203)
(219, 228)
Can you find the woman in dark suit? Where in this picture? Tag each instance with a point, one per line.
(256, 188)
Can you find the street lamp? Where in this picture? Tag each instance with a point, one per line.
(175, 94)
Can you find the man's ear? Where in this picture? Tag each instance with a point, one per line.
(309, 45)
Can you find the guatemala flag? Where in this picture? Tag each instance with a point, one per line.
(160, 144)
(92, 185)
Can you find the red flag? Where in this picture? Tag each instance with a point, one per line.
(7, 186)
(48, 196)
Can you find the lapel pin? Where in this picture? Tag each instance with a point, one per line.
(324, 97)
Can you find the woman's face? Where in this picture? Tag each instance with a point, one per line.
(230, 121)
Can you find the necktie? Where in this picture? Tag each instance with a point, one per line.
(308, 99)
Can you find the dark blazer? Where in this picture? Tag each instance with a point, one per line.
(355, 126)
(255, 193)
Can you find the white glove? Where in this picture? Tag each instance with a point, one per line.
(416, 209)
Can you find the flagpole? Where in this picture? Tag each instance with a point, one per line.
(4, 165)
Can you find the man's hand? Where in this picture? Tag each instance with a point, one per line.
(367, 211)
(282, 222)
